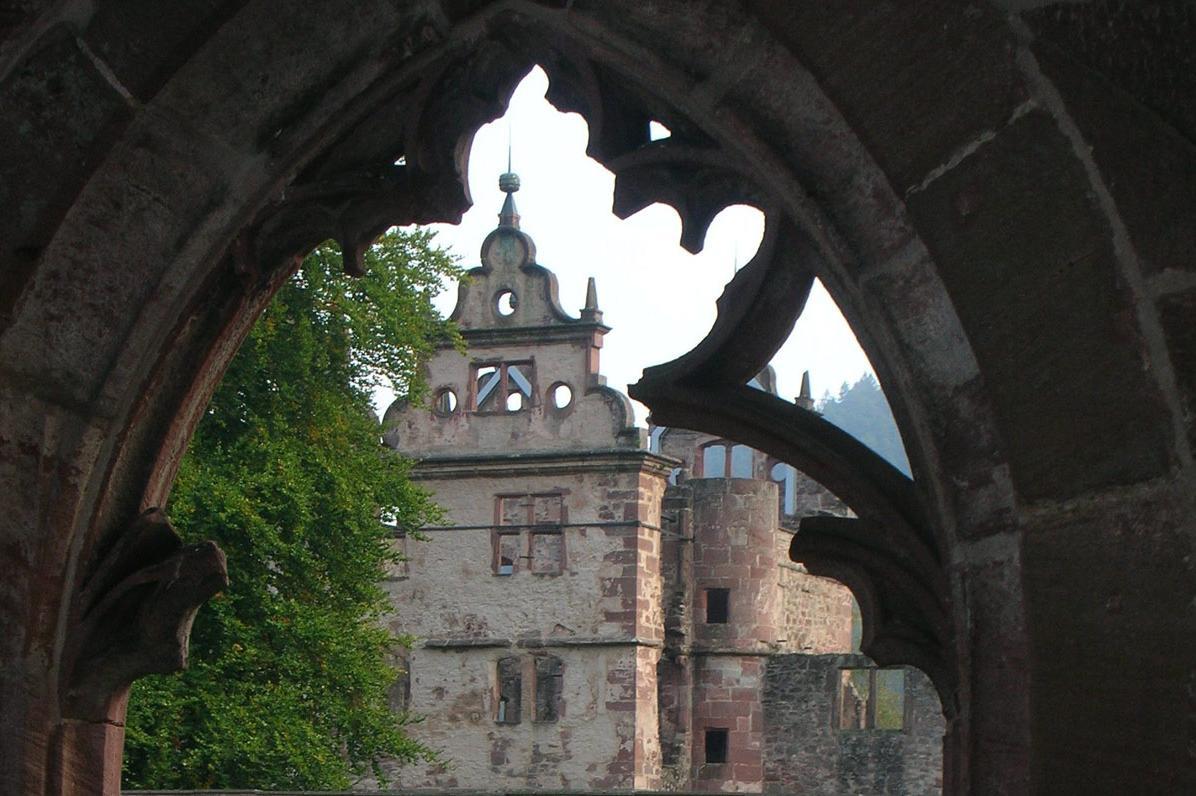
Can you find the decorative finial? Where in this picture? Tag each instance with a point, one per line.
(590, 311)
(508, 183)
(804, 399)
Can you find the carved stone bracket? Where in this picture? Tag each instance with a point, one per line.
(887, 557)
(133, 617)
(900, 589)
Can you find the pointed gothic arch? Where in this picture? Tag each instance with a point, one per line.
(951, 175)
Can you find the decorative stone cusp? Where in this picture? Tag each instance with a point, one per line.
(133, 617)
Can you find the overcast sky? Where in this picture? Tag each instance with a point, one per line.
(657, 298)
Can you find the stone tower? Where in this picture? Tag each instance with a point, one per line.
(598, 613)
(537, 604)
(735, 601)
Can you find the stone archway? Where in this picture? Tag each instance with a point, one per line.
(954, 175)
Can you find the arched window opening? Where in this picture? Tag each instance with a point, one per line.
(445, 402)
(785, 477)
(505, 303)
(741, 461)
(714, 461)
(726, 460)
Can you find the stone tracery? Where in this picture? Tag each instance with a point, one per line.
(886, 166)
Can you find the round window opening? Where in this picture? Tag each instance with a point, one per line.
(561, 394)
(506, 303)
(445, 402)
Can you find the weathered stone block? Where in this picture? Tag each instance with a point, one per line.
(1016, 229)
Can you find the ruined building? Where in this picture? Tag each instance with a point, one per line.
(997, 194)
(621, 616)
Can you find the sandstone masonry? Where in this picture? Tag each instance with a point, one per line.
(603, 609)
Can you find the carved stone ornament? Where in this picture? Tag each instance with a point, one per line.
(405, 161)
(133, 616)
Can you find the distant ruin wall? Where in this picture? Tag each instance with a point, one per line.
(804, 752)
(815, 612)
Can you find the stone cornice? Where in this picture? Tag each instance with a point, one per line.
(538, 643)
(607, 460)
(531, 335)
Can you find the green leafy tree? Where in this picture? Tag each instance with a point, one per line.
(289, 674)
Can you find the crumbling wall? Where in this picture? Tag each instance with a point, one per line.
(805, 753)
(592, 614)
(590, 745)
(816, 613)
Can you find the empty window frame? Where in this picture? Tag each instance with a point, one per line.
(541, 518)
(717, 741)
(506, 551)
(550, 677)
(718, 606)
(548, 552)
(503, 386)
(741, 461)
(871, 699)
(396, 568)
(508, 690)
(399, 693)
(786, 480)
(724, 460)
(714, 461)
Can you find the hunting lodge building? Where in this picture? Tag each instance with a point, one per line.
(607, 609)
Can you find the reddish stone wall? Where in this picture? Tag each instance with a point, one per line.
(816, 613)
(728, 692)
(734, 524)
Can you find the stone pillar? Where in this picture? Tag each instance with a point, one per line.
(130, 617)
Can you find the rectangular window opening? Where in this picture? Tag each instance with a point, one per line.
(716, 745)
(506, 553)
(888, 693)
(529, 528)
(714, 461)
(718, 606)
(741, 462)
(503, 386)
(548, 553)
(549, 682)
(509, 687)
(396, 567)
(871, 699)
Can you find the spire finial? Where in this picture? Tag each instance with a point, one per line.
(590, 311)
(508, 183)
(804, 399)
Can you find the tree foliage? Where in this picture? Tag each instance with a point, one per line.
(861, 410)
(289, 674)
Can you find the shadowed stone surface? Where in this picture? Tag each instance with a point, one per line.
(1000, 231)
